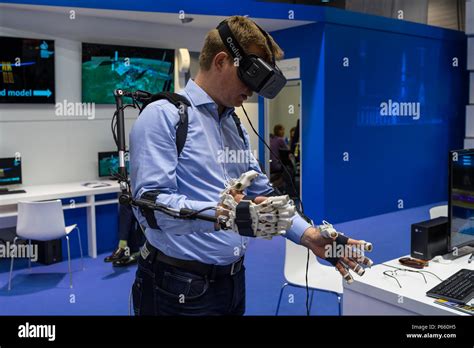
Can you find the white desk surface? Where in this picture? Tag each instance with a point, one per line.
(9, 202)
(58, 191)
(411, 297)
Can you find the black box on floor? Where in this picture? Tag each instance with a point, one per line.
(49, 252)
(429, 238)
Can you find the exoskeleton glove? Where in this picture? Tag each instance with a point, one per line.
(345, 251)
(267, 219)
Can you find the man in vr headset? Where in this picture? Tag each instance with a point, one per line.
(191, 267)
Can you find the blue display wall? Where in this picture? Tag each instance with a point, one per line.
(381, 108)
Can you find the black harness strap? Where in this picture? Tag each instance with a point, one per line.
(239, 126)
(182, 104)
(149, 214)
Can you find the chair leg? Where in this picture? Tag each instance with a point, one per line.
(69, 261)
(80, 247)
(11, 267)
(311, 300)
(279, 299)
(340, 304)
(29, 259)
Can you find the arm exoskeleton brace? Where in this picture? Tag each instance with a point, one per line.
(270, 218)
(352, 252)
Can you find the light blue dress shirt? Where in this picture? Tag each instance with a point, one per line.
(210, 158)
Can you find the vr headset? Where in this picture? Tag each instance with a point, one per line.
(262, 78)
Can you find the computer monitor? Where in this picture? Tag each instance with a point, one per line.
(109, 163)
(10, 171)
(461, 199)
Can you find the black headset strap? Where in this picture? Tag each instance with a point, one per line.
(225, 31)
(269, 43)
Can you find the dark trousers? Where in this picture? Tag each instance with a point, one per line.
(161, 289)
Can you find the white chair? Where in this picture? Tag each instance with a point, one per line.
(43, 221)
(320, 277)
(441, 210)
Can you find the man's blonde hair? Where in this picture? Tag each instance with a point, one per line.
(246, 33)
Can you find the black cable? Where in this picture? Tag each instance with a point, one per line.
(113, 127)
(300, 202)
(113, 123)
(194, 213)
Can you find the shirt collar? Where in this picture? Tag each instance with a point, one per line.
(199, 97)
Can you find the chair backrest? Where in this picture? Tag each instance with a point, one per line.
(40, 220)
(441, 210)
(295, 259)
(320, 276)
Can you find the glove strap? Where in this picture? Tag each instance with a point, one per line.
(243, 219)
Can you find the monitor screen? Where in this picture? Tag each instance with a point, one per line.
(109, 163)
(27, 71)
(106, 68)
(10, 171)
(461, 198)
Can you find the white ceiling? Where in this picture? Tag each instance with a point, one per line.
(134, 28)
(200, 21)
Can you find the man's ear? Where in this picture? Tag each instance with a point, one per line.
(220, 60)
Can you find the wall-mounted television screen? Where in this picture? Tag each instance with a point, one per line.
(108, 67)
(27, 70)
(109, 163)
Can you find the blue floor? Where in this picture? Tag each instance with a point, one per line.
(102, 290)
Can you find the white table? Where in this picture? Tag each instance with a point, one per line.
(376, 294)
(9, 202)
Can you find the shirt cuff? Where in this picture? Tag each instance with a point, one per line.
(297, 229)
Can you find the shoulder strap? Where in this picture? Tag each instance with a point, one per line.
(181, 103)
(239, 126)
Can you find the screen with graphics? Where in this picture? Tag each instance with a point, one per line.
(106, 68)
(10, 171)
(27, 70)
(109, 163)
(462, 198)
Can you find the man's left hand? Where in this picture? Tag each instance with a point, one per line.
(347, 257)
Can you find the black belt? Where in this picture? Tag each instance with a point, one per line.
(150, 254)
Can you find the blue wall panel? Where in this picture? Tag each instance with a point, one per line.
(391, 157)
(107, 227)
(75, 216)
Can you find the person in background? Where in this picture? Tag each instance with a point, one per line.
(126, 254)
(295, 142)
(277, 143)
(292, 135)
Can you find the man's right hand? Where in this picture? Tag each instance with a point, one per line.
(238, 196)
